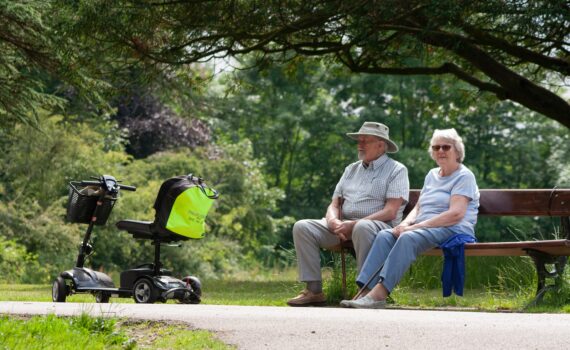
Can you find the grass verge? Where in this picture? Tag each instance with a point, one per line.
(85, 332)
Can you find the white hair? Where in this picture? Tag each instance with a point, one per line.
(451, 136)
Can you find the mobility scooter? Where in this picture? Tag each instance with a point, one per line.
(91, 202)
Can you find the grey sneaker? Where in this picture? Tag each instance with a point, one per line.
(364, 303)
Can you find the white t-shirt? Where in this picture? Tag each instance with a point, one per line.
(435, 197)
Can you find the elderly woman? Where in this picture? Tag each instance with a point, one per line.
(447, 205)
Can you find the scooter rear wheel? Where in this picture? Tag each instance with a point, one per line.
(144, 292)
(102, 297)
(59, 290)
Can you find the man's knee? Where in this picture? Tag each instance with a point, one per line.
(301, 229)
(364, 229)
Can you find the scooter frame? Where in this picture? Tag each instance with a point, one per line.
(146, 283)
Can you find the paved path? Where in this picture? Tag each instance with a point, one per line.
(251, 327)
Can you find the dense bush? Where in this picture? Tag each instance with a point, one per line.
(39, 163)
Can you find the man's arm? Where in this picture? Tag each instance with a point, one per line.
(389, 212)
(334, 214)
(343, 229)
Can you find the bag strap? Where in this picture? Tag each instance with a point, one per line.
(198, 181)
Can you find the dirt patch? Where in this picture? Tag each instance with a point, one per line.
(145, 333)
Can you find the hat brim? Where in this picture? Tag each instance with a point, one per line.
(392, 147)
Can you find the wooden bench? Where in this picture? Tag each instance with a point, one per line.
(509, 202)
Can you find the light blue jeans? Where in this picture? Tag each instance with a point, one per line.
(397, 255)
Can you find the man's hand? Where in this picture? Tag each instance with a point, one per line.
(334, 224)
(343, 229)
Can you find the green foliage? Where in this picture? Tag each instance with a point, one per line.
(86, 332)
(239, 225)
(51, 332)
(34, 190)
(505, 49)
(39, 162)
(296, 116)
(332, 284)
(17, 264)
(24, 43)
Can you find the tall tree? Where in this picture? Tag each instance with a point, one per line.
(25, 52)
(510, 49)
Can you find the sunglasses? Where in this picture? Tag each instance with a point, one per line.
(436, 148)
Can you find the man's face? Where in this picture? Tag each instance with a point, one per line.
(370, 148)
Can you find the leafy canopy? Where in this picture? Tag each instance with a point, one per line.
(515, 50)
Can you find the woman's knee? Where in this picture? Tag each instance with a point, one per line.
(408, 243)
(385, 236)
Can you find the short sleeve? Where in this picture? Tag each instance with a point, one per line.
(466, 186)
(399, 185)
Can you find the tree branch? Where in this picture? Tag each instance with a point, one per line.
(446, 68)
(560, 65)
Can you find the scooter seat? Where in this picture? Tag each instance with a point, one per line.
(148, 230)
(139, 229)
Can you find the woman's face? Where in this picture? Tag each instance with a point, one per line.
(444, 152)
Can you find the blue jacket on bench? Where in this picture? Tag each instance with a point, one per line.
(453, 275)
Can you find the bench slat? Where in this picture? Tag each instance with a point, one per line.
(558, 247)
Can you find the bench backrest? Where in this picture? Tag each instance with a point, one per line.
(516, 202)
(528, 202)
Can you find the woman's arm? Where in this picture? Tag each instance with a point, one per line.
(457, 209)
(409, 220)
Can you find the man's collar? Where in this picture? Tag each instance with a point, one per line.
(376, 163)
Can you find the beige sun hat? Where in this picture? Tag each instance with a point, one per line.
(376, 129)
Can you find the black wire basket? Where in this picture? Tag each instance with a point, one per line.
(81, 205)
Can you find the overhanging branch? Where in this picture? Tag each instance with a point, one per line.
(446, 68)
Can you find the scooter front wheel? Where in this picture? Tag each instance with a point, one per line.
(59, 290)
(144, 292)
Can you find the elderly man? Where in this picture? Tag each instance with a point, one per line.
(370, 196)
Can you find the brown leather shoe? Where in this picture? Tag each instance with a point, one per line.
(308, 298)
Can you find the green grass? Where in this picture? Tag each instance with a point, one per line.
(85, 332)
(273, 290)
(511, 291)
(492, 284)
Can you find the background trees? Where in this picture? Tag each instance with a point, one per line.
(512, 50)
(125, 98)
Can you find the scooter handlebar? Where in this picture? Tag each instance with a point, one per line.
(127, 187)
(99, 184)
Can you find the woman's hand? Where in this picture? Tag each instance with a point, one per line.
(401, 228)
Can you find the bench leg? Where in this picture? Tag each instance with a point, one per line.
(343, 268)
(540, 261)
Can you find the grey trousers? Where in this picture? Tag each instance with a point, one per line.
(310, 235)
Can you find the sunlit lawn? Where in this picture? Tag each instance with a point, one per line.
(276, 293)
(274, 288)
